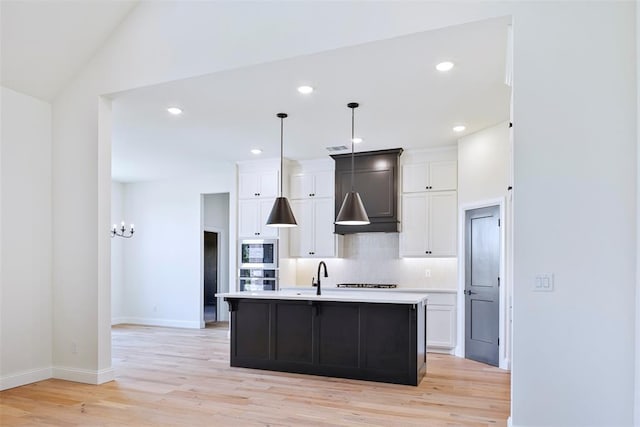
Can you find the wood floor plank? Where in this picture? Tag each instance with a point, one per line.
(180, 377)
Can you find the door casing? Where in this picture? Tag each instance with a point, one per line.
(503, 354)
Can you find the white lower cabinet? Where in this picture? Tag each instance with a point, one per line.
(441, 322)
(252, 218)
(313, 237)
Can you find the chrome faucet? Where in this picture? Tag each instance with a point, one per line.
(319, 291)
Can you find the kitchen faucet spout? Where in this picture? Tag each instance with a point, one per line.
(320, 265)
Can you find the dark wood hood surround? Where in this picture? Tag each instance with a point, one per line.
(376, 179)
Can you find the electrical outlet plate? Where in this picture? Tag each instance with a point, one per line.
(543, 282)
(427, 272)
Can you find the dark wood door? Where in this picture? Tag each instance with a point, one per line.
(482, 281)
(210, 275)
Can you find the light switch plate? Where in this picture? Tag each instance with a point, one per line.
(543, 282)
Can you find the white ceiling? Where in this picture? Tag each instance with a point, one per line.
(404, 102)
(45, 43)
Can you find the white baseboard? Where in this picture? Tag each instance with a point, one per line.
(440, 350)
(26, 377)
(505, 364)
(86, 376)
(118, 320)
(509, 422)
(145, 321)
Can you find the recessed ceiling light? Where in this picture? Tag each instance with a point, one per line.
(444, 66)
(357, 140)
(256, 151)
(174, 110)
(459, 128)
(305, 90)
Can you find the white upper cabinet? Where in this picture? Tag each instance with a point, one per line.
(413, 239)
(429, 224)
(312, 201)
(259, 184)
(252, 218)
(312, 184)
(443, 223)
(430, 176)
(313, 237)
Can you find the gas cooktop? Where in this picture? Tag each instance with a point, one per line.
(366, 285)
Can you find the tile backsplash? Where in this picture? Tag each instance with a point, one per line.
(373, 258)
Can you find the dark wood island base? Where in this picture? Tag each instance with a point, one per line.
(383, 342)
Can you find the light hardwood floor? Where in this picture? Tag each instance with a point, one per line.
(182, 377)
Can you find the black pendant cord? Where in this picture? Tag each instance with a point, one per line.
(281, 152)
(353, 110)
(353, 106)
(282, 116)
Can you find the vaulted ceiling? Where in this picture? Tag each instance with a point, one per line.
(404, 101)
(45, 43)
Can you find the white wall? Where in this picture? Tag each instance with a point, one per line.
(636, 416)
(484, 164)
(484, 175)
(575, 214)
(215, 217)
(575, 151)
(117, 254)
(163, 261)
(25, 180)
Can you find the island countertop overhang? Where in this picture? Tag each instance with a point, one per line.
(383, 297)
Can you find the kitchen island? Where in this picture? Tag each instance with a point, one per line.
(378, 336)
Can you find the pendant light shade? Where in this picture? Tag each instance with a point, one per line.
(281, 214)
(352, 211)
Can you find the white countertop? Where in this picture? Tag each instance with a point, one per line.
(411, 290)
(306, 294)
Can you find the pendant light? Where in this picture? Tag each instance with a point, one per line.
(352, 211)
(281, 214)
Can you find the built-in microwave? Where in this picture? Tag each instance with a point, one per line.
(258, 253)
(258, 279)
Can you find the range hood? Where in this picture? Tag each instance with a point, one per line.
(376, 179)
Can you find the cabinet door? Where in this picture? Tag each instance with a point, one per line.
(248, 218)
(268, 184)
(300, 186)
(443, 223)
(443, 176)
(265, 207)
(247, 185)
(441, 326)
(413, 239)
(263, 184)
(325, 240)
(415, 177)
(301, 237)
(323, 184)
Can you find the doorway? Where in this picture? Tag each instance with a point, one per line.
(211, 252)
(482, 284)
